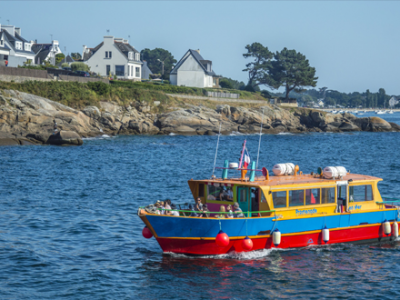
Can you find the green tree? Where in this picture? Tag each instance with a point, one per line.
(76, 56)
(229, 83)
(291, 70)
(259, 66)
(225, 83)
(79, 66)
(153, 56)
(59, 58)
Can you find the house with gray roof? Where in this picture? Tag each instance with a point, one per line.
(114, 56)
(14, 48)
(193, 70)
(46, 52)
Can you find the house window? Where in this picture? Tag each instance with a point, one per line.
(137, 56)
(108, 54)
(18, 45)
(130, 55)
(137, 72)
(108, 70)
(120, 70)
(1, 43)
(132, 70)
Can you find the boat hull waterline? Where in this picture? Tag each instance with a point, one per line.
(196, 236)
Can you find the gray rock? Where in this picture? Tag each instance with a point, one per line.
(92, 112)
(64, 138)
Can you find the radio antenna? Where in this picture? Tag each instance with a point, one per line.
(259, 141)
(216, 150)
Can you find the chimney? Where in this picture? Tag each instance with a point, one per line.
(18, 30)
(198, 51)
(108, 40)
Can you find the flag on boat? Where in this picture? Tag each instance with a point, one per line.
(246, 158)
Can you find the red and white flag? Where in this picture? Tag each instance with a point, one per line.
(246, 158)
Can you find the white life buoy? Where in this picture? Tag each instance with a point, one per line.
(386, 227)
(395, 230)
(276, 237)
(325, 235)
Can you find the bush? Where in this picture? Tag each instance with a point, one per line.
(99, 87)
(225, 84)
(79, 66)
(64, 65)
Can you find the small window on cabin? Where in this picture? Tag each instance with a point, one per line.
(328, 195)
(359, 193)
(313, 196)
(263, 199)
(279, 199)
(219, 193)
(296, 198)
(201, 190)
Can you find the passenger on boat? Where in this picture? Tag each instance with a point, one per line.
(173, 211)
(198, 206)
(229, 210)
(230, 194)
(206, 212)
(192, 214)
(237, 210)
(167, 206)
(157, 206)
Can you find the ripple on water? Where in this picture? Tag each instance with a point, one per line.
(69, 229)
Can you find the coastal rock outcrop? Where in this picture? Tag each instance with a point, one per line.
(28, 119)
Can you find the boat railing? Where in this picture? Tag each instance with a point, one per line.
(184, 211)
(388, 202)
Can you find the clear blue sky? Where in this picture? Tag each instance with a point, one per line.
(353, 45)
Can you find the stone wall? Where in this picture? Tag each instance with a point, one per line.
(12, 78)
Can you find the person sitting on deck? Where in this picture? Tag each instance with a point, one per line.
(167, 206)
(198, 206)
(229, 210)
(238, 213)
(173, 211)
(157, 206)
(222, 210)
(206, 212)
(192, 214)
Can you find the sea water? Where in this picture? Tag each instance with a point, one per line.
(69, 227)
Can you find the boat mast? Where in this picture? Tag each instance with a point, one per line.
(259, 141)
(216, 150)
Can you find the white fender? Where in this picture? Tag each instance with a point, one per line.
(325, 234)
(276, 237)
(386, 227)
(395, 230)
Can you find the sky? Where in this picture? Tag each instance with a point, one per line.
(354, 45)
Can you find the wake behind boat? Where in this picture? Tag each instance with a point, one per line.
(286, 210)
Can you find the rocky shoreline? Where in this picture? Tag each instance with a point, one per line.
(28, 119)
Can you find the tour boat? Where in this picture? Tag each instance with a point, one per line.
(288, 209)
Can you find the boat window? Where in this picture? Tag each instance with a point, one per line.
(279, 199)
(263, 197)
(296, 198)
(213, 192)
(342, 192)
(312, 196)
(328, 195)
(201, 190)
(360, 193)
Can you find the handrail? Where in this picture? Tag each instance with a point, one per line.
(212, 212)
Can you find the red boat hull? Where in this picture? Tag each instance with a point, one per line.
(365, 234)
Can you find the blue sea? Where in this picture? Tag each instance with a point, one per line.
(69, 227)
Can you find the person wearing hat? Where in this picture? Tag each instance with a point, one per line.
(173, 211)
(237, 211)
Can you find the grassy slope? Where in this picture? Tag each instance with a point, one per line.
(79, 95)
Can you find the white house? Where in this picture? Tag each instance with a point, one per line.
(19, 49)
(115, 56)
(46, 52)
(193, 70)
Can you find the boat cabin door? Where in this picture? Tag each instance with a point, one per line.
(243, 199)
(342, 196)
